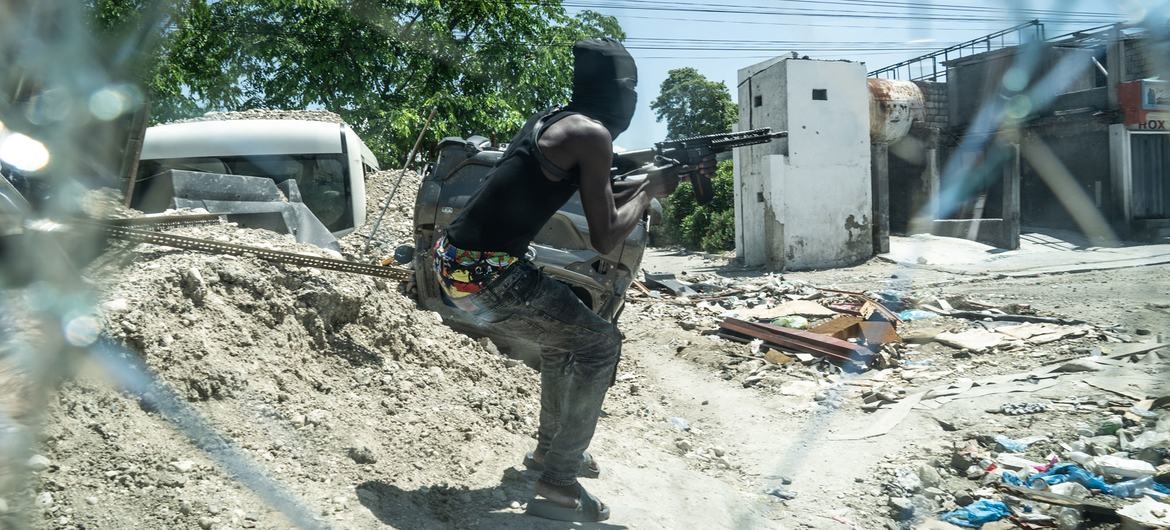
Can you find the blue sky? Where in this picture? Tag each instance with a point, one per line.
(876, 32)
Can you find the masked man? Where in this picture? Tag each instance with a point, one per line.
(482, 270)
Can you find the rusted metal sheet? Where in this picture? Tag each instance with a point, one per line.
(893, 107)
(804, 341)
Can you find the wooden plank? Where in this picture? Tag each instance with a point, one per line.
(838, 327)
(870, 306)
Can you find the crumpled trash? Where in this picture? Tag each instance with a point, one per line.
(792, 321)
(1019, 409)
(1114, 465)
(976, 514)
(781, 492)
(916, 314)
(1068, 472)
(1010, 445)
(1060, 473)
(891, 299)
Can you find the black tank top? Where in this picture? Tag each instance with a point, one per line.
(517, 199)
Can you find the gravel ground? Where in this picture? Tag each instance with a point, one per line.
(336, 396)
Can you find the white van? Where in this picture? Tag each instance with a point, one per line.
(327, 160)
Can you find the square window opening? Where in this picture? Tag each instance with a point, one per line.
(820, 94)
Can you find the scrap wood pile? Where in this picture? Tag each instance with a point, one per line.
(875, 342)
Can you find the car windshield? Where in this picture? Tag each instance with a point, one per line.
(320, 178)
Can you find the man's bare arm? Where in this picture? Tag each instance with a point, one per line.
(580, 142)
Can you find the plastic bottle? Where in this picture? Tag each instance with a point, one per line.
(1131, 488)
(1068, 519)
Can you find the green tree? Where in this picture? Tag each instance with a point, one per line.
(692, 105)
(381, 64)
(136, 35)
(708, 227)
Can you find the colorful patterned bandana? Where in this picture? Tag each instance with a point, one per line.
(465, 272)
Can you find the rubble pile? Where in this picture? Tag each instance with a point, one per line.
(320, 378)
(831, 345)
(1094, 464)
(397, 228)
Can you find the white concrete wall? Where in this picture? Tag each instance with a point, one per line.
(815, 187)
(1120, 155)
(754, 226)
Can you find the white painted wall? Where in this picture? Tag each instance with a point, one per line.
(815, 187)
(754, 226)
(1119, 159)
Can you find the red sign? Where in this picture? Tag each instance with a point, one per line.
(1145, 104)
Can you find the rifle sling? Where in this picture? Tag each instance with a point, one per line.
(556, 114)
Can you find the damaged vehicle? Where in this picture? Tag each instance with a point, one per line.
(562, 248)
(296, 176)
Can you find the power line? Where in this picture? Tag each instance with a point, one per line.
(784, 49)
(907, 5)
(733, 42)
(713, 8)
(821, 54)
(947, 8)
(859, 26)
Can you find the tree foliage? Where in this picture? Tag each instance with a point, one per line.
(709, 227)
(692, 105)
(485, 65)
(133, 35)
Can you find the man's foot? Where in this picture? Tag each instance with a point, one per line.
(566, 503)
(589, 467)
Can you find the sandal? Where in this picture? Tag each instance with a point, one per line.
(588, 469)
(587, 509)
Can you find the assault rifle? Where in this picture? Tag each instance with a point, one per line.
(688, 152)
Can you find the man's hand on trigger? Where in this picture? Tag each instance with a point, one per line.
(624, 190)
(659, 184)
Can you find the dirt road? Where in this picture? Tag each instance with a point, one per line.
(331, 398)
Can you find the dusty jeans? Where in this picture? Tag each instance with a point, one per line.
(578, 350)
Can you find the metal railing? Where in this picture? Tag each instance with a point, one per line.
(927, 67)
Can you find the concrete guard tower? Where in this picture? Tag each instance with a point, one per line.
(804, 202)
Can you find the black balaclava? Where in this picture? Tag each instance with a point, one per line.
(604, 78)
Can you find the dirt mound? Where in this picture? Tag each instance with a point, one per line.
(397, 224)
(268, 114)
(333, 385)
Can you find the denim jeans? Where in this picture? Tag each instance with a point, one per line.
(578, 351)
